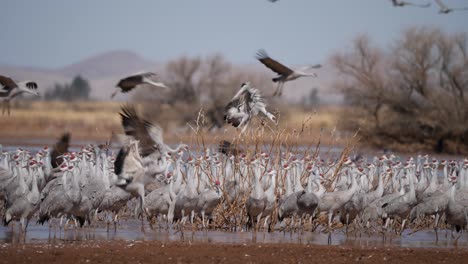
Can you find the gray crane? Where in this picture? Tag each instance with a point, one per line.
(21, 203)
(207, 202)
(115, 199)
(270, 199)
(246, 104)
(187, 199)
(436, 204)
(399, 3)
(401, 206)
(131, 82)
(333, 201)
(443, 9)
(9, 89)
(256, 202)
(161, 200)
(457, 207)
(285, 74)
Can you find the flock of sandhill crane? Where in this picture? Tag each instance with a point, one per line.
(231, 190)
(443, 8)
(225, 188)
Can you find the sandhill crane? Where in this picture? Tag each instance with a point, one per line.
(131, 82)
(22, 203)
(443, 9)
(246, 104)
(187, 199)
(270, 199)
(151, 146)
(96, 182)
(9, 89)
(361, 200)
(402, 205)
(207, 202)
(161, 200)
(285, 74)
(398, 3)
(332, 201)
(130, 172)
(457, 208)
(60, 148)
(55, 199)
(436, 204)
(114, 200)
(256, 202)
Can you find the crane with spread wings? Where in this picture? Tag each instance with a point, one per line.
(285, 73)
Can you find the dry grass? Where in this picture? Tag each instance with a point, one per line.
(95, 121)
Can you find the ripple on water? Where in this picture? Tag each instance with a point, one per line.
(130, 230)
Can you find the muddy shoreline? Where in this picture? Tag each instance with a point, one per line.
(188, 252)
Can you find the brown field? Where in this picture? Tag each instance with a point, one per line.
(96, 121)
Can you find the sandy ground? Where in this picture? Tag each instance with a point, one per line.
(179, 252)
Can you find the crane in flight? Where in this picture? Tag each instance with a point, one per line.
(246, 104)
(9, 89)
(400, 3)
(129, 83)
(443, 9)
(285, 74)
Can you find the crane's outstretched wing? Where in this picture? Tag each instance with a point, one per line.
(441, 4)
(308, 67)
(406, 3)
(129, 83)
(29, 84)
(272, 64)
(7, 84)
(138, 128)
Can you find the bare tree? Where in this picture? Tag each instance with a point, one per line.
(182, 76)
(414, 95)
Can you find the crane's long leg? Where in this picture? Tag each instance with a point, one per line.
(436, 224)
(8, 107)
(330, 217)
(280, 92)
(277, 89)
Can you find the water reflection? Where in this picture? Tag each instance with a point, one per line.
(130, 230)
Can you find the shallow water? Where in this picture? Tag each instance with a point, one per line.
(130, 231)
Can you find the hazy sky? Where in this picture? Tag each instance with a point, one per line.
(54, 33)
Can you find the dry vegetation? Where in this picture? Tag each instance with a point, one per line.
(413, 97)
(95, 121)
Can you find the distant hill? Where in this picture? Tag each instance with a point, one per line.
(103, 71)
(109, 64)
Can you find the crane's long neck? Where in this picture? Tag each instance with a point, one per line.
(289, 188)
(258, 190)
(75, 191)
(309, 183)
(191, 178)
(380, 186)
(433, 183)
(34, 194)
(298, 186)
(203, 179)
(47, 163)
(105, 171)
(411, 181)
(271, 188)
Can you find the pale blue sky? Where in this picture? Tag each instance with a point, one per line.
(54, 33)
